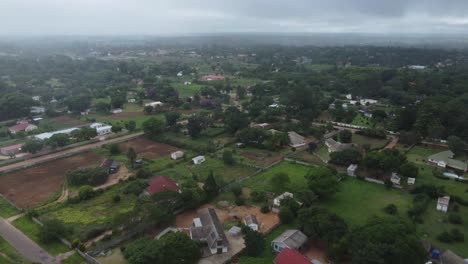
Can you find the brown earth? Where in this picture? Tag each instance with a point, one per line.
(262, 159)
(266, 221)
(66, 120)
(126, 115)
(147, 148)
(28, 188)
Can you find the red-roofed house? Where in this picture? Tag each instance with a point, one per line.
(11, 150)
(289, 256)
(22, 126)
(213, 78)
(160, 184)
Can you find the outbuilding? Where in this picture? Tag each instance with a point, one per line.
(198, 160)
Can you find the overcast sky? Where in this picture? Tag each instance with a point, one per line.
(175, 17)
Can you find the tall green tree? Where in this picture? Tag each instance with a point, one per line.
(131, 156)
(211, 187)
(153, 127)
(254, 243)
(323, 182)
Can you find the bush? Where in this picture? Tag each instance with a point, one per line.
(87, 176)
(286, 215)
(391, 209)
(86, 192)
(116, 198)
(32, 213)
(257, 197)
(445, 237)
(239, 201)
(455, 219)
(114, 149)
(265, 208)
(457, 236)
(236, 189)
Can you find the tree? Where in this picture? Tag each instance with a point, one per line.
(148, 109)
(386, 240)
(254, 243)
(58, 140)
(84, 133)
(345, 136)
(210, 186)
(279, 181)
(131, 156)
(312, 146)
(32, 146)
(196, 124)
(228, 158)
(130, 125)
(409, 170)
(235, 120)
(322, 182)
(14, 105)
(171, 118)
(116, 128)
(102, 107)
(77, 104)
(391, 209)
(178, 248)
(286, 215)
(346, 157)
(114, 149)
(319, 224)
(153, 127)
(87, 176)
(52, 230)
(86, 192)
(456, 144)
(241, 92)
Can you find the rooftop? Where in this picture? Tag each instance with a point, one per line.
(289, 256)
(161, 183)
(293, 238)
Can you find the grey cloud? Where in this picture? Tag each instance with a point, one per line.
(204, 16)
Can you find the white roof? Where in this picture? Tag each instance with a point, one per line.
(198, 158)
(48, 135)
(284, 195)
(96, 125)
(352, 167)
(103, 128)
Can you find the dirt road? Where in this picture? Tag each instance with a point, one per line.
(45, 158)
(24, 245)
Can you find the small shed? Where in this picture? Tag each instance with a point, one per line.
(251, 221)
(443, 203)
(411, 181)
(177, 155)
(110, 165)
(395, 179)
(352, 170)
(235, 231)
(198, 160)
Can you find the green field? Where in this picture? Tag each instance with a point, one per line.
(267, 256)
(375, 143)
(223, 173)
(8, 255)
(361, 120)
(6, 209)
(31, 229)
(322, 151)
(187, 90)
(296, 173)
(98, 211)
(306, 156)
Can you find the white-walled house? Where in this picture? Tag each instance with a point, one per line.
(252, 222)
(177, 155)
(443, 203)
(292, 239)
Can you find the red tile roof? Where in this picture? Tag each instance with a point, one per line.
(18, 127)
(213, 77)
(289, 256)
(161, 183)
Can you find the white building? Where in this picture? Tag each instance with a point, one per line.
(292, 239)
(180, 74)
(198, 160)
(443, 203)
(132, 100)
(48, 135)
(368, 101)
(252, 222)
(177, 155)
(352, 170)
(349, 96)
(37, 109)
(411, 181)
(296, 140)
(117, 110)
(155, 104)
(187, 83)
(103, 130)
(277, 200)
(395, 179)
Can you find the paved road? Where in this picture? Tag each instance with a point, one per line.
(30, 162)
(24, 245)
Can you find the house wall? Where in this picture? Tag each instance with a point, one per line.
(278, 246)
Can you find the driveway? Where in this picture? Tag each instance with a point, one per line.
(24, 245)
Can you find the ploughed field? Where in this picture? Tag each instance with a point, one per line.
(147, 148)
(30, 187)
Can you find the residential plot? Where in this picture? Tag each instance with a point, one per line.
(30, 187)
(223, 173)
(147, 148)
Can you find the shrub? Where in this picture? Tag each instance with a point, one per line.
(265, 208)
(286, 215)
(236, 189)
(86, 192)
(457, 236)
(391, 209)
(114, 149)
(116, 198)
(257, 197)
(239, 201)
(455, 219)
(445, 237)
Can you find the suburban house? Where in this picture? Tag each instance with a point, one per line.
(37, 109)
(111, 166)
(213, 78)
(289, 256)
(208, 229)
(117, 110)
(448, 257)
(251, 221)
(198, 160)
(131, 100)
(352, 170)
(11, 150)
(445, 159)
(160, 184)
(366, 113)
(101, 129)
(48, 135)
(334, 146)
(443, 203)
(296, 140)
(368, 101)
(187, 83)
(155, 104)
(411, 181)
(22, 126)
(292, 239)
(277, 201)
(177, 155)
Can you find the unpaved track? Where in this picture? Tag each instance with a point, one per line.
(34, 161)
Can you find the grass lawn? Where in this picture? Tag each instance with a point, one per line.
(6, 141)
(223, 173)
(199, 143)
(6, 209)
(12, 256)
(306, 156)
(322, 151)
(267, 256)
(31, 229)
(131, 107)
(99, 211)
(375, 143)
(357, 200)
(187, 90)
(296, 173)
(361, 120)
(318, 67)
(74, 259)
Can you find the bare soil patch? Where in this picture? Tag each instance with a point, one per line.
(126, 115)
(147, 148)
(30, 187)
(66, 120)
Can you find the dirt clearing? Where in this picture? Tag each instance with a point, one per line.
(68, 121)
(147, 148)
(126, 115)
(30, 187)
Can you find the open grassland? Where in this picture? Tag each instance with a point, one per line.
(375, 143)
(223, 173)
